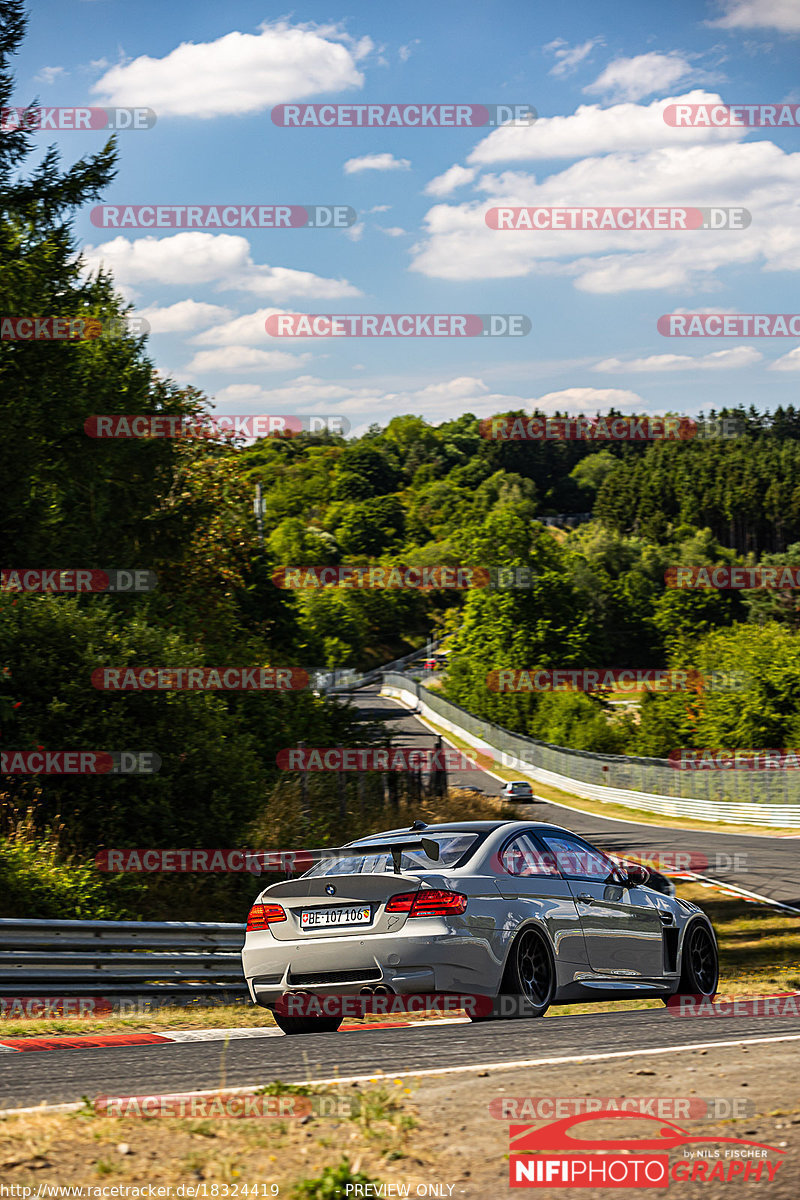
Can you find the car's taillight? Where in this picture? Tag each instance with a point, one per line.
(427, 902)
(261, 916)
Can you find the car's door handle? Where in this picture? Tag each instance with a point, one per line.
(586, 898)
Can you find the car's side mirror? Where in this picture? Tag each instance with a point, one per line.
(636, 874)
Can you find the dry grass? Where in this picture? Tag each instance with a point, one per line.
(85, 1148)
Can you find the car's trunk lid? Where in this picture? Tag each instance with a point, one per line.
(357, 905)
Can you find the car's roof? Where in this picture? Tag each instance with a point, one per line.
(460, 827)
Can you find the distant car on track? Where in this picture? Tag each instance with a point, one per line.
(518, 790)
(484, 908)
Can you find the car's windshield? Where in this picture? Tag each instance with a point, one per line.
(452, 847)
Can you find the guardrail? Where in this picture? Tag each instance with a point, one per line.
(650, 784)
(118, 958)
(375, 676)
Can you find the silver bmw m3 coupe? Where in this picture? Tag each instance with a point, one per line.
(491, 909)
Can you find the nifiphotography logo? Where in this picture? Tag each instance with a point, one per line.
(633, 1162)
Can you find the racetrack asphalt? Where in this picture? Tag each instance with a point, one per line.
(60, 1076)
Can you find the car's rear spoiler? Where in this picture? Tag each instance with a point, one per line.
(428, 846)
(308, 857)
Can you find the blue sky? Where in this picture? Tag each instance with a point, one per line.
(598, 74)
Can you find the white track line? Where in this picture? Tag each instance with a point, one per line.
(740, 891)
(219, 1035)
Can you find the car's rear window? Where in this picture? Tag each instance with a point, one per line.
(452, 848)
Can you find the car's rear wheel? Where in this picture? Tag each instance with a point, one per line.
(699, 963)
(306, 1024)
(529, 980)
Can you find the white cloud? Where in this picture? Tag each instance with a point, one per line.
(207, 258)
(593, 130)
(49, 74)
(404, 52)
(635, 78)
(244, 358)
(439, 401)
(393, 231)
(247, 330)
(355, 232)
(376, 162)
(789, 362)
(569, 57)
(453, 178)
(783, 15)
(379, 208)
(282, 283)
(183, 316)
(239, 72)
(576, 400)
(702, 311)
(717, 360)
(758, 176)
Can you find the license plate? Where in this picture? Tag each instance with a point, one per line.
(325, 918)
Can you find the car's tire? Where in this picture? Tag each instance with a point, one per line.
(306, 1024)
(699, 963)
(529, 979)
